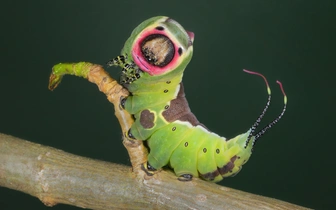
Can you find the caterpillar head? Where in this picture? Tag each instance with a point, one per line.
(159, 45)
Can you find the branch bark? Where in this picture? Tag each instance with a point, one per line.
(55, 176)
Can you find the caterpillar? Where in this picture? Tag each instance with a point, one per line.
(153, 60)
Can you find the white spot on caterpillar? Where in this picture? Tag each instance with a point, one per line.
(199, 127)
(177, 91)
(184, 123)
(212, 133)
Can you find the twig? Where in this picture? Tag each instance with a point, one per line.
(55, 177)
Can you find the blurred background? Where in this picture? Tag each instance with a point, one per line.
(290, 41)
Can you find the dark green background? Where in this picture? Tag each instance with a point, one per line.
(290, 40)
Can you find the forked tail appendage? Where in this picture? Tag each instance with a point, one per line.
(257, 122)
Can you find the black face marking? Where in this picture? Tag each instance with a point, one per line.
(165, 91)
(204, 150)
(217, 151)
(180, 51)
(174, 129)
(158, 50)
(168, 82)
(186, 144)
(160, 28)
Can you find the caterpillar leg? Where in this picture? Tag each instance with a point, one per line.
(122, 103)
(130, 71)
(119, 60)
(130, 135)
(148, 169)
(185, 177)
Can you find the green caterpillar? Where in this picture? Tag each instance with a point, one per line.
(153, 60)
